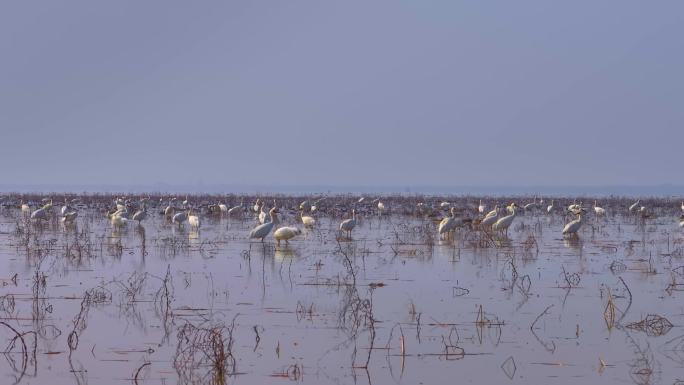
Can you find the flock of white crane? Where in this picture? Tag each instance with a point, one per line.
(498, 220)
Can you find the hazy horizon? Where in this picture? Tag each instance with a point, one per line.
(662, 191)
(404, 94)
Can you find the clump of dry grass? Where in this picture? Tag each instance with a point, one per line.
(205, 354)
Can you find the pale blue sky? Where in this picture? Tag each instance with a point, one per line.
(342, 93)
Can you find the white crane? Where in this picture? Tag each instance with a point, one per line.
(491, 217)
(573, 226)
(261, 231)
(69, 217)
(502, 224)
(600, 211)
(169, 211)
(285, 234)
(307, 220)
(140, 215)
(348, 225)
(236, 211)
(118, 221)
(381, 208)
(193, 220)
(481, 208)
(40, 214)
(262, 214)
(531, 205)
(25, 208)
(223, 208)
(449, 224)
(179, 218)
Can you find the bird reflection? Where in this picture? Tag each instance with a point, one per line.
(285, 254)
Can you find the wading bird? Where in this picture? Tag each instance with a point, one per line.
(449, 224)
(573, 226)
(236, 211)
(381, 208)
(69, 217)
(600, 211)
(169, 211)
(118, 221)
(193, 220)
(348, 225)
(40, 214)
(25, 208)
(140, 215)
(261, 231)
(491, 217)
(285, 234)
(308, 221)
(179, 218)
(502, 224)
(262, 214)
(481, 208)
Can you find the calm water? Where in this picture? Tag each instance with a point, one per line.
(531, 309)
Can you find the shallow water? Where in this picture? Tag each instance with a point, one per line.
(532, 308)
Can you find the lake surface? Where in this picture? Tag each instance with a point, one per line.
(163, 304)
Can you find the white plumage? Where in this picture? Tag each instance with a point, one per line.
(118, 221)
(286, 233)
(381, 208)
(491, 217)
(169, 211)
(449, 224)
(193, 220)
(69, 217)
(261, 231)
(573, 226)
(235, 211)
(308, 221)
(502, 224)
(600, 211)
(348, 224)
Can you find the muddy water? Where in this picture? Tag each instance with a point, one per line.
(96, 305)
